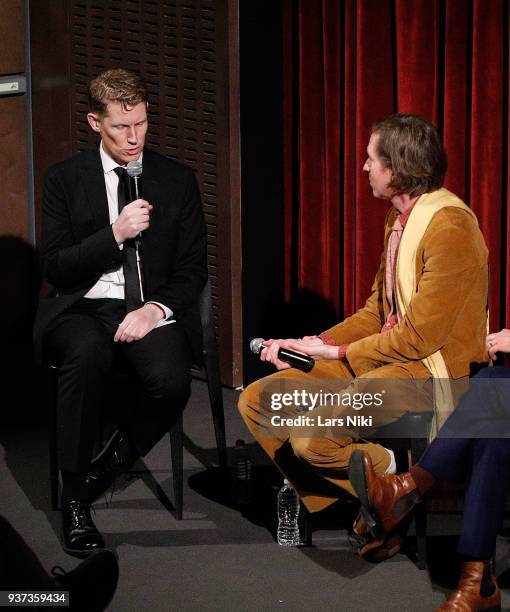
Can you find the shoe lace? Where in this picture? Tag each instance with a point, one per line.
(80, 512)
(58, 571)
(106, 469)
(113, 463)
(357, 542)
(112, 491)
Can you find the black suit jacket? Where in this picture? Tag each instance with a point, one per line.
(79, 246)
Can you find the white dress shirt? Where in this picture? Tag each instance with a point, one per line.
(111, 283)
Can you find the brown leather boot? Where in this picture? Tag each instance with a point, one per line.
(381, 549)
(477, 590)
(359, 528)
(385, 500)
(373, 549)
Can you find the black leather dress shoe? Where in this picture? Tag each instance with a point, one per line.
(116, 458)
(92, 583)
(80, 535)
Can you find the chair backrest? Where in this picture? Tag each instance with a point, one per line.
(205, 306)
(209, 347)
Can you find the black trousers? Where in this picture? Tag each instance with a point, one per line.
(80, 342)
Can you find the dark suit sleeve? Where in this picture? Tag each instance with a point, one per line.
(189, 270)
(68, 263)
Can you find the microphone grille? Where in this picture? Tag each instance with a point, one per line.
(256, 345)
(134, 168)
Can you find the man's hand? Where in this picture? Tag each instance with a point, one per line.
(133, 219)
(312, 346)
(138, 323)
(498, 342)
(270, 350)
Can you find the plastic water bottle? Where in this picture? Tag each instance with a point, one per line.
(242, 490)
(288, 514)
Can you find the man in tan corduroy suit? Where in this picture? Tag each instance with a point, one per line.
(423, 324)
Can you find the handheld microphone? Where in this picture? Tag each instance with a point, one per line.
(296, 360)
(134, 170)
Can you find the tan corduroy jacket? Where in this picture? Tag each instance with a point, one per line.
(447, 313)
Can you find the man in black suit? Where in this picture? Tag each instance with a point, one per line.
(126, 276)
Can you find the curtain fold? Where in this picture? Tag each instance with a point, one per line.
(349, 63)
(486, 137)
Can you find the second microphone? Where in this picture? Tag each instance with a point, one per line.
(296, 360)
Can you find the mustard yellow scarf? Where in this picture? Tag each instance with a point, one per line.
(421, 215)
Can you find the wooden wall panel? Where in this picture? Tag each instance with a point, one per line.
(51, 85)
(12, 37)
(13, 152)
(13, 160)
(18, 270)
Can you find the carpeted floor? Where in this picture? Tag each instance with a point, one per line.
(219, 558)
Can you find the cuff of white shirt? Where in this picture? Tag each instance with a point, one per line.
(168, 313)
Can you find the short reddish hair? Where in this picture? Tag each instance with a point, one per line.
(116, 85)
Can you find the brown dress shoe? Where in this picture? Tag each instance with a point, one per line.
(477, 590)
(380, 549)
(359, 528)
(385, 500)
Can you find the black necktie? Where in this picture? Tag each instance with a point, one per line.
(132, 292)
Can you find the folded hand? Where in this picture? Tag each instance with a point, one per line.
(498, 342)
(138, 323)
(312, 346)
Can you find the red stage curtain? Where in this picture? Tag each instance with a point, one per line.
(349, 63)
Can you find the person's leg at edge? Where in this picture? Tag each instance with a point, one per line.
(484, 505)
(91, 584)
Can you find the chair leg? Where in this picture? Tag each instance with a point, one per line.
(52, 390)
(54, 483)
(176, 445)
(418, 446)
(217, 409)
(305, 525)
(420, 524)
(211, 363)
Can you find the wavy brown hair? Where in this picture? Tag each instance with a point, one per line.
(411, 147)
(116, 85)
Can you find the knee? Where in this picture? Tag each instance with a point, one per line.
(89, 355)
(249, 399)
(162, 386)
(245, 400)
(494, 372)
(259, 397)
(496, 449)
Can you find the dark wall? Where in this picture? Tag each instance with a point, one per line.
(261, 175)
(19, 277)
(19, 284)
